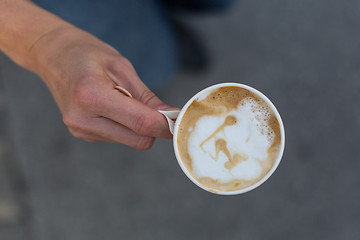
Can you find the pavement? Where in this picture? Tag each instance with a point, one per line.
(304, 55)
(11, 191)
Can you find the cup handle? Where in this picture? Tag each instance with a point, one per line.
(170, 117)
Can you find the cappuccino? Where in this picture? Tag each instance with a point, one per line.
(229, 138)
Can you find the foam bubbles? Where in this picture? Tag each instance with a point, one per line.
(250, 135)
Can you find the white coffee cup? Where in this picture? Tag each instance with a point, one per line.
(175, 126)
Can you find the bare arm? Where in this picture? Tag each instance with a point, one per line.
(81, 72)
(22, 25)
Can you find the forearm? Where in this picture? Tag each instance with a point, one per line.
(22, 26)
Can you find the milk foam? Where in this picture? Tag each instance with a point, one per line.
(249, 139)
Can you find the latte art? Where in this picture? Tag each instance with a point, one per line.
(229, 139)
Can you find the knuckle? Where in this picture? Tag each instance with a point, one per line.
(75, 133)
(120, 64)
(85, 95)
(70, 122)
(80, 135)
(144, 143)
(145, 125)
(124, 62)
(147, 96)
(73, 122)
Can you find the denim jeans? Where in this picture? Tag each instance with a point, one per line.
(139, 29)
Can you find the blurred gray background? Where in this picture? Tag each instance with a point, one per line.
(304, 55)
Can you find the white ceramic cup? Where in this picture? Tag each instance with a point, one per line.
(174, 128)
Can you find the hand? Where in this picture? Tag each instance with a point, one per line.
(81, 72)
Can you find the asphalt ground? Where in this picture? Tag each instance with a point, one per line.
(304, 55)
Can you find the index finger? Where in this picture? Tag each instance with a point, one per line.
(135, 115)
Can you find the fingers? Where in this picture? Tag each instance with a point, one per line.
(122, 73)
(127, 117)
(103, 100)
(140, 112)
(135, 115)
(102, 129)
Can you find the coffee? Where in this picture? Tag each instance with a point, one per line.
(229, 138)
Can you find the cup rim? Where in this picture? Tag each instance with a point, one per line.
(209, 89)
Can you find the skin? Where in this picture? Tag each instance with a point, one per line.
(81, 72)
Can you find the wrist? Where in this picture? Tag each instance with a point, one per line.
(44, 47)
(23, 25)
